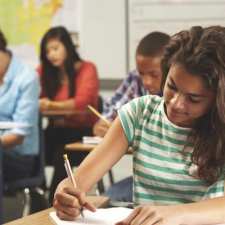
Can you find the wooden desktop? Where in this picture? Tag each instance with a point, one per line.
(42, 217)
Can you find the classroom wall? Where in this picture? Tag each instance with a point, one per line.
(103, 36)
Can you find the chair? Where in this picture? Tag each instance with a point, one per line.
(31, 187)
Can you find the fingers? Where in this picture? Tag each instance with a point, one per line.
(100, 128)
(83, 200)
(69, 202)
(65, 216)
(130, 218)
(66, 212)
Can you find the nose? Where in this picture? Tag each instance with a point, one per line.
(50, 54)
(178, 102)
(148, 83)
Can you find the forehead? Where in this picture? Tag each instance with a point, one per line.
(53, 43)
(187, 82)
(148, 61)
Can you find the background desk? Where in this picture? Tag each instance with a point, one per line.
(79, 146)
(42, 217)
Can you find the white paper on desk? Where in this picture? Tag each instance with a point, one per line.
(108, 216)
(10, 125)
(91, 140)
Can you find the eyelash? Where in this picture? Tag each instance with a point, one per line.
(170, 86)
(175, 89)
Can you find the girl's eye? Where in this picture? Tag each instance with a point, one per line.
(193, 100)
(170, 86)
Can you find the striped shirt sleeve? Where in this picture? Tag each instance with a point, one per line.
(129, 115)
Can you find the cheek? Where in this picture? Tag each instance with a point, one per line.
(167, 94)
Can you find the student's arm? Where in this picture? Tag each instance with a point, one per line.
(95, 165)
(25, 112)
(47, 104)
(10, 140)
(204, 212)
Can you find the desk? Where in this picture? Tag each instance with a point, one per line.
(42, 217)
(53, 113)
(79, 146)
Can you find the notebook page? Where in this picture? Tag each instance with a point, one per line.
(107, 216)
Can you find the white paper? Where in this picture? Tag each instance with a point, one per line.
(11, 125)
(108, 216)
(91, 140)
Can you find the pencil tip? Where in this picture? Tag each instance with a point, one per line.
(65, 156)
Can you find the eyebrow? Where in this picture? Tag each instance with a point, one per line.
(189, 94)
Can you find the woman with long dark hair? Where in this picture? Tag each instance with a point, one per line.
(68, 83)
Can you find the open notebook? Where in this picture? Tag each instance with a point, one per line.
(91, 140)
(107, 216)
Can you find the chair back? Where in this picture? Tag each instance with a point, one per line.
(100, 104)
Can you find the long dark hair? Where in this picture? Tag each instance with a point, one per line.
(3, 42)
(201, 52)
(51, 76)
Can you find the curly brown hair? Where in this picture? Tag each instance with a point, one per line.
(201, 51)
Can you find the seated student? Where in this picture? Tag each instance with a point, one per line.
(178, 140)
(67, 82)
(19, 92)
(146, 79)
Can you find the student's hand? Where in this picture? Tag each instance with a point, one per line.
(69, 201)
(157, 215)
(44, 104)
(100, 128)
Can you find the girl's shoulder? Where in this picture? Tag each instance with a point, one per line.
(86, 64)
(146, 100)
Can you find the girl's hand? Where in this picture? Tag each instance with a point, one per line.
(69, 201)
(100, 128)
(150, 214)
(44, 104)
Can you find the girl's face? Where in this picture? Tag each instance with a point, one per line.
(150, 72)
(56, 52)
(186, 97)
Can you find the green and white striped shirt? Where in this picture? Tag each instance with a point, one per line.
(162, 166)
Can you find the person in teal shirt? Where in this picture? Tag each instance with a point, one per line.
(19, 93)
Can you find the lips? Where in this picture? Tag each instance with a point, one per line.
(175, 113)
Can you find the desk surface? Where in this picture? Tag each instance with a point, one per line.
(42, 217)
(79, 146)
(57, 113)
(52, 113)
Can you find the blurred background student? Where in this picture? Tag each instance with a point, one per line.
(68, 83)
(19, 93)
(145, 79)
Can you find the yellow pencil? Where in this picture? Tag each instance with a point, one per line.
(70, 176)
(99, 115)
